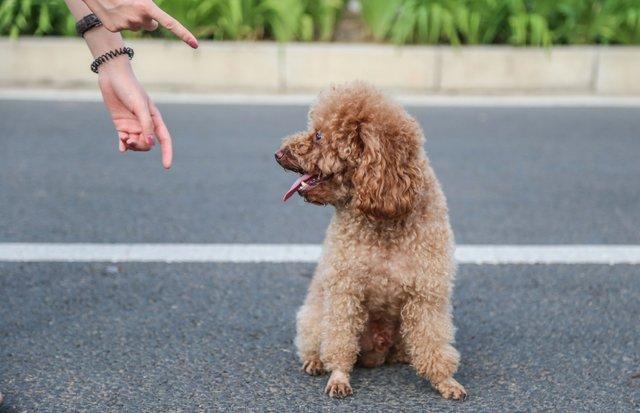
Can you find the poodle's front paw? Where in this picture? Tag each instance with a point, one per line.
(451, 389)
(338, 385)
(313, 367)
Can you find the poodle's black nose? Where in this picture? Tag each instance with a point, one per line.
(279, 154)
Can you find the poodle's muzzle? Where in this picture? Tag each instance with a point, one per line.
(305, 183)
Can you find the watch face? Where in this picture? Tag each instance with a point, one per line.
(87, 23)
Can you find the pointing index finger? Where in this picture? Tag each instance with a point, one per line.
(173, 25)
(163, 135)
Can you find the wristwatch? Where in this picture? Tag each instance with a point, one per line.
(87, 23)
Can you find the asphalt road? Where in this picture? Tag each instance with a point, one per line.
(512, 176)
(156, 337)
(152, 338)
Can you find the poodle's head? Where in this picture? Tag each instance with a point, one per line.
(361, 150)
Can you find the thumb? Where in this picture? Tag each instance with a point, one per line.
(150, 25)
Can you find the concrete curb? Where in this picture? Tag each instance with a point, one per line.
(267, 67)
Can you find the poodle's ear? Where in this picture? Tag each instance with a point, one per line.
(389, 177)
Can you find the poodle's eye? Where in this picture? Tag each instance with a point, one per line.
(318, 135)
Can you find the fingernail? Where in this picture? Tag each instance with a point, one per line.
(150, 140)
(193, 43)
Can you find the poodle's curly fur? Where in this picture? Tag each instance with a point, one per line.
(381, 292)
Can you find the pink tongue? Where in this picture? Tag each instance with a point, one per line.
(297, 184)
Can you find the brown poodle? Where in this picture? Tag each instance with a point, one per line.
(381, 292)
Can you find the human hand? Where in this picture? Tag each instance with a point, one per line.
(117, 15)
(135, 116)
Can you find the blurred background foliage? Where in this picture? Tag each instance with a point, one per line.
(282, 20)
(516, 22)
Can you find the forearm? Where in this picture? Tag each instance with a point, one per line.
(78, 8)
(99, 39)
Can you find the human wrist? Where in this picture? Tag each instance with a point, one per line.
(101, 41)
(116, 65)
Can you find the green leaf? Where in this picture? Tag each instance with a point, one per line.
(379, 15)
(306, 28)
(44, 20)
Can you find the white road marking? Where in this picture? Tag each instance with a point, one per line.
(282, 253)
(306, 99)
(548, 254)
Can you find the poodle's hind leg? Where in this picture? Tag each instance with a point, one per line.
(308, 325)
(428, 332)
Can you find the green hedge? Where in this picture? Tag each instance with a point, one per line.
(517, 22)
(283, 20)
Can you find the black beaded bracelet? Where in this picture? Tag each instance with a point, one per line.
(87, 23)
(110, 55)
